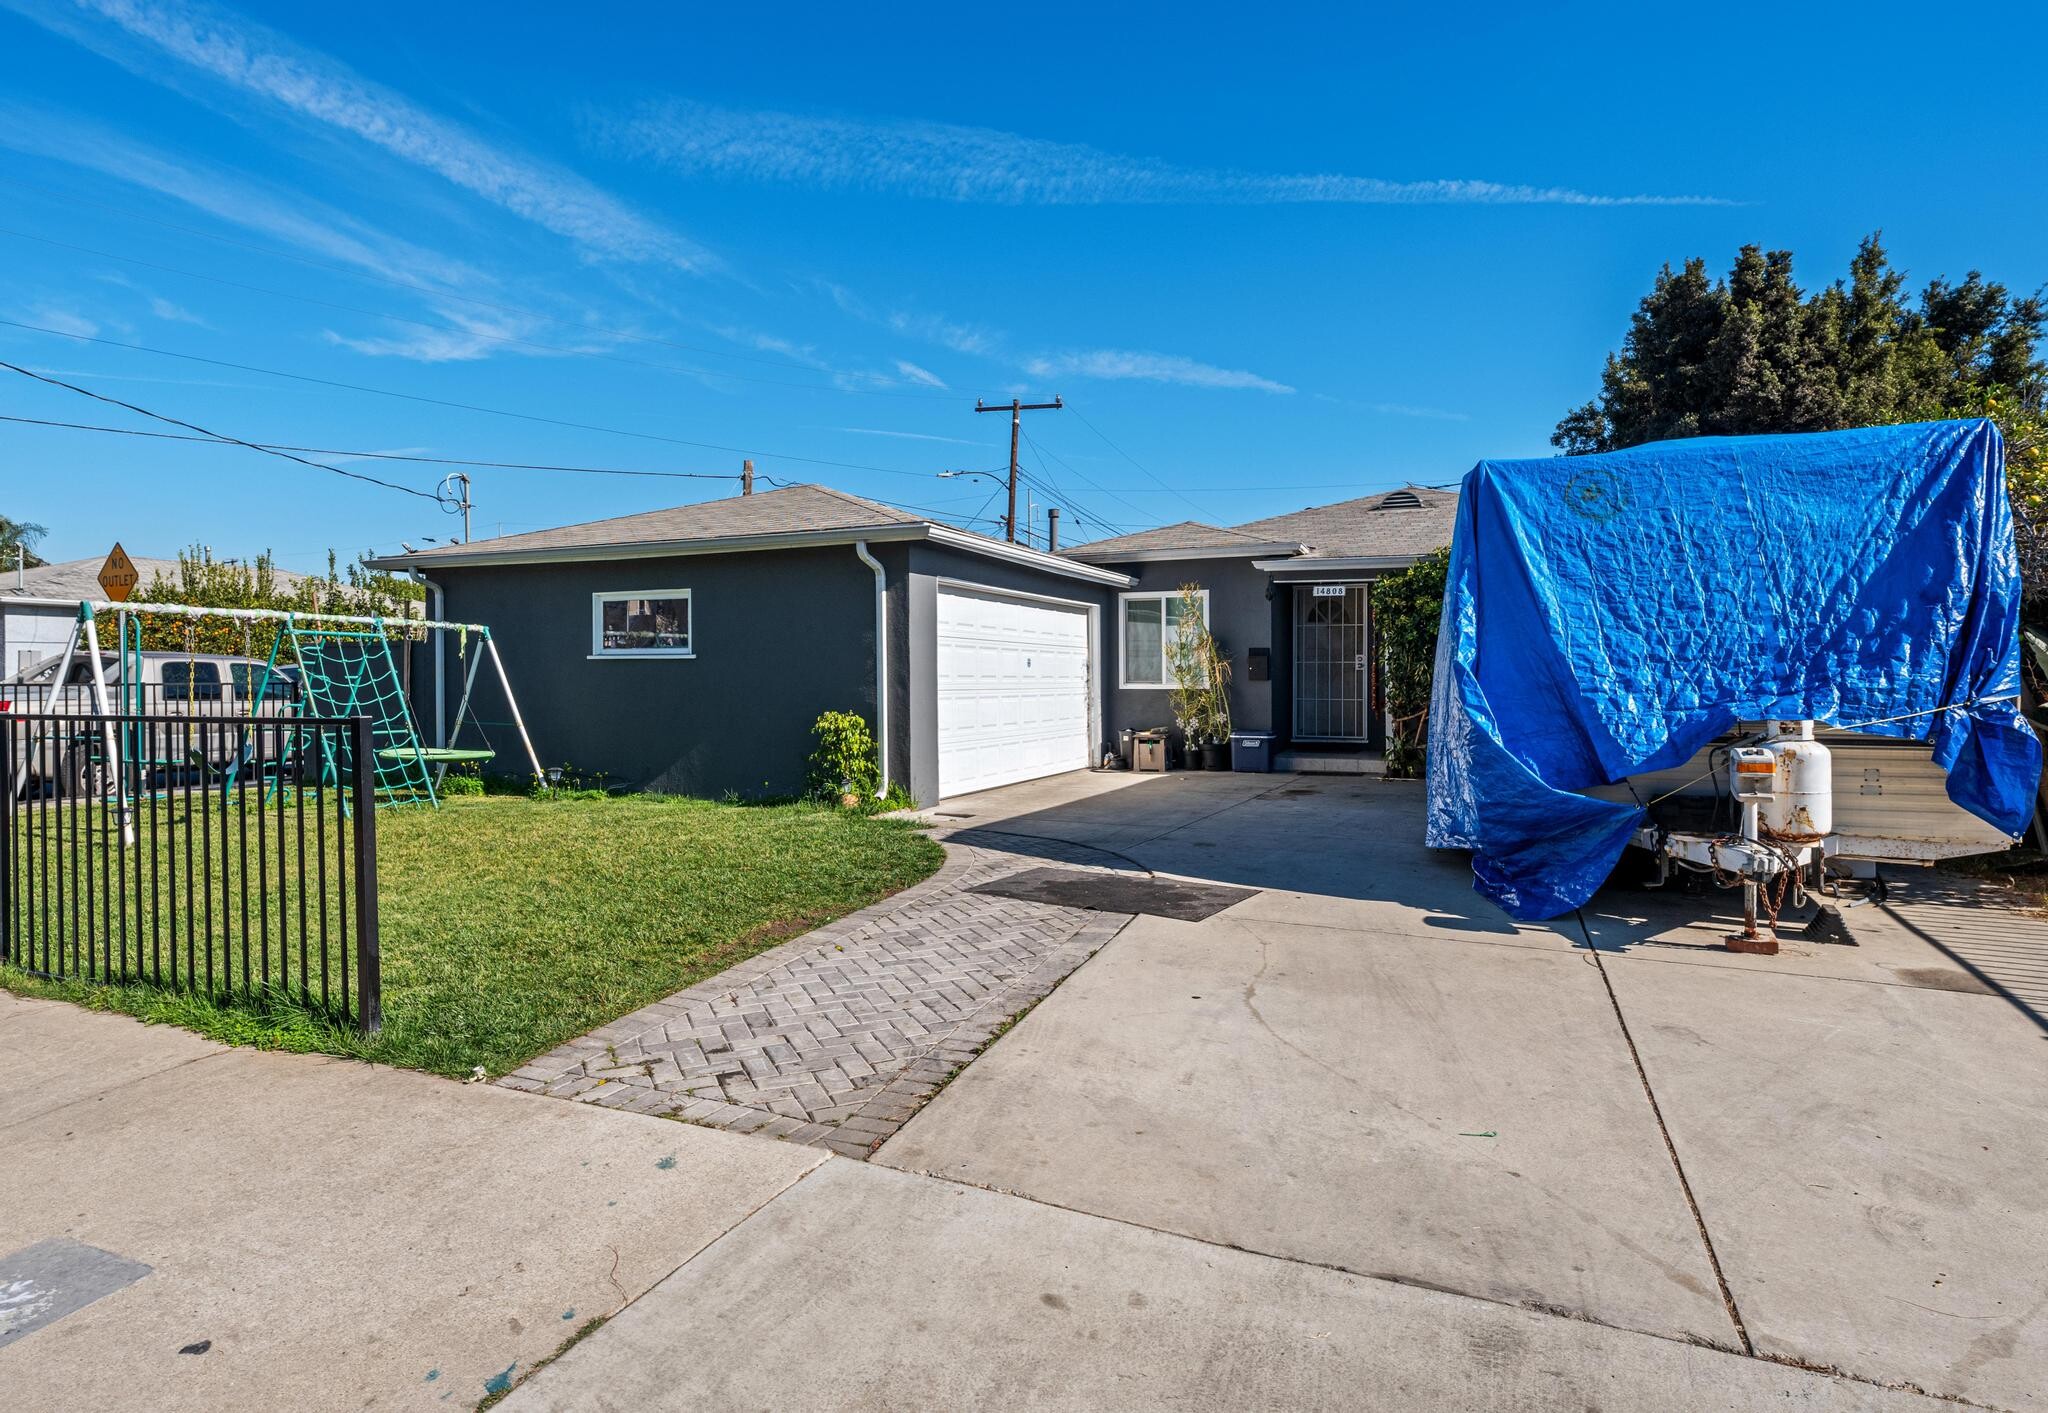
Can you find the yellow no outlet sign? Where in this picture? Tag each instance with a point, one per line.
(118, 576)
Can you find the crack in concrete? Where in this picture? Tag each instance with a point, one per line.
(1657, 1112)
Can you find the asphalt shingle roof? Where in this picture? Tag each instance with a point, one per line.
(793, 509)
(1411, 521)
(1385, 524)
(1188, 534)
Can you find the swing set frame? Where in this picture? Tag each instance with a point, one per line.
(411, 756)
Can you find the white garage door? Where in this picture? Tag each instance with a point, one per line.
(1013, 690)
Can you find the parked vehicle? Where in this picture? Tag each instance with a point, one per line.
(63, 757)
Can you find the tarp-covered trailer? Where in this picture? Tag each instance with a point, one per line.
(1664, 646)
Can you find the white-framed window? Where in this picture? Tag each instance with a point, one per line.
(641, 623)
(1147, 626)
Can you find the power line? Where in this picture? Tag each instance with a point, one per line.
(216, 436)
(781, 484)
(417, 286)
(446, 328)
(1090, 481)
(459, 406)
(379, 455)
(1134, 461)
(1072, 502)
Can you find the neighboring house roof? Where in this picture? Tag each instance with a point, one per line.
(1394, 525)
(1188, 539)
(80, 578)
(789, 518)
(1410, 521)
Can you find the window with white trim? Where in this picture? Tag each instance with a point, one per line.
(641, 623)
(1148, 624)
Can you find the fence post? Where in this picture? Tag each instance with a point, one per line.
(7, 804)
(369, 970)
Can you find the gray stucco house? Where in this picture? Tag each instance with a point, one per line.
(690, 650)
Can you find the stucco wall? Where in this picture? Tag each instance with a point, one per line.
(1242, 618)
(779, 637)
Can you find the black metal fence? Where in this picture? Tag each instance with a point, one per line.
(227, 857)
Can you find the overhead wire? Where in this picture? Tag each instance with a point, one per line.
(451, 403)
(379, 455)
(444, 327)
(1147, 516)
(1132, 459)
(217, 436)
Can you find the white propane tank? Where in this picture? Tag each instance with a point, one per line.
(1802, 801)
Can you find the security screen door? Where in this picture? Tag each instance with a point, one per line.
(1329, 662)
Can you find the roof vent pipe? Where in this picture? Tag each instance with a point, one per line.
(860, 547)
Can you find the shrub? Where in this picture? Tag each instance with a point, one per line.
(846, 761)
(463, 780)
(1406, 608)
(1201, 675)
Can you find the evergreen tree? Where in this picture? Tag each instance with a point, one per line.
(1752, 353)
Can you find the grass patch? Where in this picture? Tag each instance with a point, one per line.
(510, 925)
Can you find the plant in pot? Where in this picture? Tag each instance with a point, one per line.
(1201, 681)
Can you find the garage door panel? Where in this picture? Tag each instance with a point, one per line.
(1013, 690)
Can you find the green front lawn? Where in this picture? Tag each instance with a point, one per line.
(510, 925)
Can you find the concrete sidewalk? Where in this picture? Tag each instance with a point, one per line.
(862, 1288)
(336, 1235)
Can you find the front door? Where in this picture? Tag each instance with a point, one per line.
(1330, 656)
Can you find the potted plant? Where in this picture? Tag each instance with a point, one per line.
(1201, 680)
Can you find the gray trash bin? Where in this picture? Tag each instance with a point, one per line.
(1251, 750)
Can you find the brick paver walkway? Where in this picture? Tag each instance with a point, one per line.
(839, 1036)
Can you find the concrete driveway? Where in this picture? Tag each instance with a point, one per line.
(1831, 1157)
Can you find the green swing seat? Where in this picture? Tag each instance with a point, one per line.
(438, 755)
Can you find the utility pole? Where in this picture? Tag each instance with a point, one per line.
(1016, 409)
(747, 477)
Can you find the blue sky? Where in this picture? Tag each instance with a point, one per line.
(1270, 258)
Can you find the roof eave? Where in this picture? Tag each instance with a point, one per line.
(1154, 555)
(1313, 565)
(434, 562)
(431, 560)
(1020, 554)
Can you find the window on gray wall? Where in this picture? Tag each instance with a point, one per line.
(640, 623)
(1150, 623)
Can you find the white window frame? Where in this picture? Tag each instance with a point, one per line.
(1123, 655)
(599, 652)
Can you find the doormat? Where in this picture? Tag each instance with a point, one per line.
(1117, 892)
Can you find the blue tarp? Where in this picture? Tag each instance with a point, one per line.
(1610, 615)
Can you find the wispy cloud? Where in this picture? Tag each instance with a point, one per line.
(173, 313)
(1119, 364)
(63, 321)
(467, 337)
(946, 162)
(258, 62)
(924, 377)
(301, 222)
